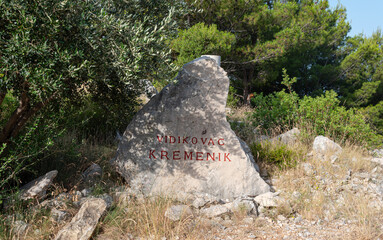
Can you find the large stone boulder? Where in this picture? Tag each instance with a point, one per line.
(180, 140)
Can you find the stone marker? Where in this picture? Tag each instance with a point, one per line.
(181, 142)
(83, 224)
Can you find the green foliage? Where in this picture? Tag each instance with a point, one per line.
(26, 150)
(375, 116)
(232, 100)
(200, 40)
(74, 65)
(314, 116)
(361, 82)
(302, 36)
(276, 154)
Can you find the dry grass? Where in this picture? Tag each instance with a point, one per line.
(321, 192)
(146, 218)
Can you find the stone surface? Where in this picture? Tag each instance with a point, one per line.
(240, 205)
(58, 215)
(37, 187)
(84, 222)
(170, 144)
(215, 211)
(267, 200)
(323, 145)
(289, 137)
(106, 197)
(377, 160)
(177, 212)
(377, 153)
(92, 174)
(19, 229)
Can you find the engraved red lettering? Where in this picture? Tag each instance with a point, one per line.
(194, 140)
(166, 139)
(211, 141)
(158, 137)
(219, 156)
(185, 140)
(172, 139)
(203, 140)
(164, 154)
(152, 154)
(212, 157)
(199, 156)
(176, 155)
(187, 156)
(227, 156)
(221, 139)
(179, 139)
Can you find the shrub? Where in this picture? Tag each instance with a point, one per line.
(275, 154)
(314, 116)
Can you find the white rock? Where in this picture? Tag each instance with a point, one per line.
(92, 173)
(377, 160)
(323, 145)
(177, 212)
(83, 224)
(215, 211)
(240, 204)
(37, 187)
(289, 137)
(19, 228)
(170, 144)
(58, 215)
(267, 200)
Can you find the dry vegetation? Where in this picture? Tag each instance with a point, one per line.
(315, 188)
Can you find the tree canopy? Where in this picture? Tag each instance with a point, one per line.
(302, 36)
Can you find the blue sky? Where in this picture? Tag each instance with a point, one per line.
(365, 16)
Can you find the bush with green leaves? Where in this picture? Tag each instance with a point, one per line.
(279, 154)
(75, 64)
(322, 115)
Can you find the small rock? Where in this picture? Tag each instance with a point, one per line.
(107, 198)
(377, 160)
(281, 218)
(92, 174)
(267, 199)
(37, 187)
(241, 204)
(83, 224)
(289, 137)
(323, 145)
(215, 211)
(58, 215)
(248, 220)
(19, 228)
(86, 192)
(333, 158)
(177, 212)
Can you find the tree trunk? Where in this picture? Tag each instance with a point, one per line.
(2, 96)
(20, 117)
(248, 76)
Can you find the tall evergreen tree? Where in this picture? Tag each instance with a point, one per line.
(302, 36)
